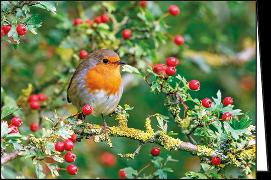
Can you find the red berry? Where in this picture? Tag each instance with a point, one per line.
(87, 109)
(172, 61)
(122, 174)
(105, 18)
(42, 97)
(226, 116)
(34, 105)
(98, 20)
(68, 145)
(6, 28)
(16, 121)
(194, 85)
(73, 138)
(72, 169)
(33, 97)
(89, 22)
(170, 71)
(143, 4)
(34, 127)
(206, 102)
(83, 54)
(70, 157)
(155, 151)
(59, 146)
(126, 34)
(108, 159)
(174, 10)
(21, 29)
(77, 21)
(179, 40)
(14, 129)
(228, 101)
(2, 32)
(159, 69)
(216, 160)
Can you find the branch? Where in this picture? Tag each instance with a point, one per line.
(8, 157)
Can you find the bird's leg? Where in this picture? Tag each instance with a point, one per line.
(105, 128)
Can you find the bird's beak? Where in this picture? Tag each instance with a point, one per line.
(121, 63)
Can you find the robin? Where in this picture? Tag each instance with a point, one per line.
(97, 81)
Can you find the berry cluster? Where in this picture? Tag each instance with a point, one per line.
(168, 69)
(207, 103)
(14, 125)
(104, 18)
(69, 157)
(35, 100)
(21, 29)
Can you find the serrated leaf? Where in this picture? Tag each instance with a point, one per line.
(64, 132)
(39, 171)
(160, 173)
(53, 168)
(4, 128)
(7, 110)
(130, 172)
(49, 6)
(196, 175)
(243, 123)
(131, 69)
(58, 159)
(157, 162)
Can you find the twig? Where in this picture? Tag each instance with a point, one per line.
(8, 157)
(141, 170)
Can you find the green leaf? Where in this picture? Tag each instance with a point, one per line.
(196, 175)
(235, 133)
(130, 172)
(49, 6)
(4, 128)
(161, 174)
(14, 136)
(58, 159)
(243, 123)
(64, 132)
(39, 171)
(53, 168)
(7, 110)
(131, 69)
(157, 162)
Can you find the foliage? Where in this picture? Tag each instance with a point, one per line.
(184, 124)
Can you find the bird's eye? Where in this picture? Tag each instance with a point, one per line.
(105, 61)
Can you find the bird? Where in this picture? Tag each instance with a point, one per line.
(97, 81)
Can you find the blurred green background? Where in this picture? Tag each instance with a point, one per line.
(219, 52)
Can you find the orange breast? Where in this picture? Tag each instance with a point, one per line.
(104, 77)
